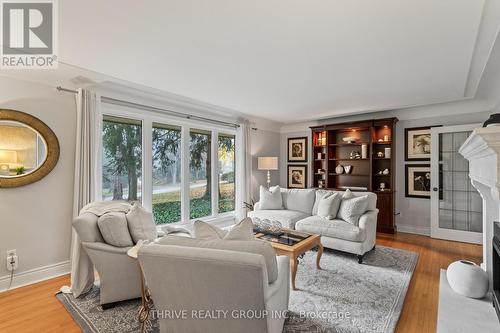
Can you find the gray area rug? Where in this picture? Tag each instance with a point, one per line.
(343, 297)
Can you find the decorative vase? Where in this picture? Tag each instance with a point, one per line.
(467, 279)
(385, 172)
(387, 152)
(364, 151)
(339, 169)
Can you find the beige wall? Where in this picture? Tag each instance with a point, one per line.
(36, 219)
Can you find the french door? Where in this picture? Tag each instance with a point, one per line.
(456, 206)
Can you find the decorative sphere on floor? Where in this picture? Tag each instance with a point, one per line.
(467, 279)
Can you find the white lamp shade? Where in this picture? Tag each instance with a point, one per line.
(267, 163)
(8, 156)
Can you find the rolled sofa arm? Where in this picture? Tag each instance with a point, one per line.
(98, 246)
(368, 220)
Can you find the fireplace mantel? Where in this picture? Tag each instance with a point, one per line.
(482, 149)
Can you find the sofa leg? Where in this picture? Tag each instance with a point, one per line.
(374, 246)
(108, 306)
(360, 258)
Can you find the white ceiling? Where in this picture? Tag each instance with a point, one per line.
(285, 60)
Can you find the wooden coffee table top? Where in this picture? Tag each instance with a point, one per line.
(300, 242)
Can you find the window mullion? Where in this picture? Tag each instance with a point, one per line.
(185, 197)
(147, 164)
(215, 173)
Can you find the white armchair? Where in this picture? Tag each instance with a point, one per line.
(119, 274)
(182, 278)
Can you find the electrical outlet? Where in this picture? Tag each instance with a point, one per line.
(12, 260)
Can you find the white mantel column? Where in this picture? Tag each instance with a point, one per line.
(482, 149)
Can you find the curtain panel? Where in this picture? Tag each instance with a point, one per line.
(82, 270)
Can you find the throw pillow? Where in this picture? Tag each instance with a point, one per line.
(141, 224)
(240, 231)
(249, 246)
(204, 230)
(114, 229)
(270, 198)
(329, 206)
(319, 194)
(352, 207)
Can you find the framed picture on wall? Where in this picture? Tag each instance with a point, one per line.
(418, 181)
(297, 176)
(297, 149)
(418, 143)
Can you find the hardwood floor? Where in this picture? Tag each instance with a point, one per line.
(35, 309)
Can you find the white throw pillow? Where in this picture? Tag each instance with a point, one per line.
(114, 229)
(204, 230)
(241, 231)
(319, 194)
(270, 198)
(141, 224)
(329, 206)
(352, 207)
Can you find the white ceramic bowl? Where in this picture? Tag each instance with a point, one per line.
(467, 279)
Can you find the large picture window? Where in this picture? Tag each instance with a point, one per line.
(166, 173)
(180, 170)
(121, 159)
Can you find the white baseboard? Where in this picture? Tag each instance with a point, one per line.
(410, 229)
(35, 275)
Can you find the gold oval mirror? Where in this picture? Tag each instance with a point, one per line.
(29, 150)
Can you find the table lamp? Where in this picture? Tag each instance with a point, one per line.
(268, 163)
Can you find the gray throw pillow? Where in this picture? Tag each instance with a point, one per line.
(141, 224)
(249, 246)
(114, 229)
(352, 207)
(329, 206)
(270, 198)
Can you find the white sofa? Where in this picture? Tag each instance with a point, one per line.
(299, 212)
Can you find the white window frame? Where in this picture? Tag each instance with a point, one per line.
(148, 118)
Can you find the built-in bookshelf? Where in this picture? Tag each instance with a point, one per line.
(365, 151)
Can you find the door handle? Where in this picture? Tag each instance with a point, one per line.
(435, 189)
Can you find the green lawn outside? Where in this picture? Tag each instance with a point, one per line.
(167, 206)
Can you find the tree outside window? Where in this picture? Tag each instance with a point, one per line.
(121, 159)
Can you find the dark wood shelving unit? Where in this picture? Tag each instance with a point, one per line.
(328, 141)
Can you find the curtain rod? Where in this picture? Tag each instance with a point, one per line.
(115, 101)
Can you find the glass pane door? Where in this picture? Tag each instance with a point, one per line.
(457, 204)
